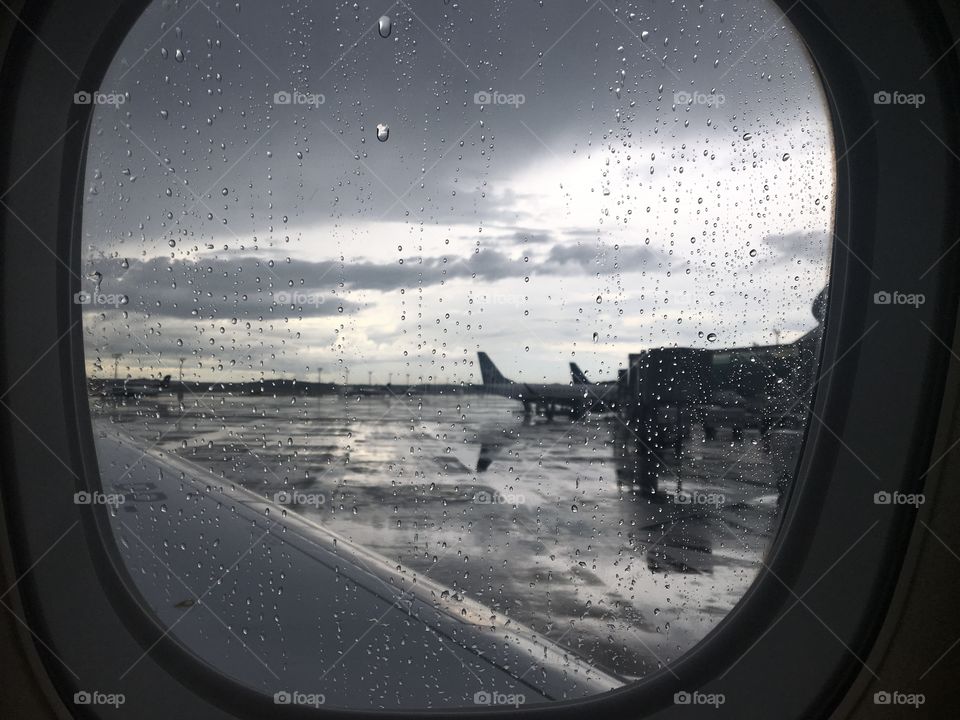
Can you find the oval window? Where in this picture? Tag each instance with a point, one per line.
(451, 355)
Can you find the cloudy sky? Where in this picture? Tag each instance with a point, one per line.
(563, 180)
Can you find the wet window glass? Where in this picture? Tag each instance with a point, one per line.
(451, 354)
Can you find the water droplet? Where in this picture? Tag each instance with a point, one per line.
(385, 25)
(712, 337)
(383, 132)
(786, 156)
(178, 55)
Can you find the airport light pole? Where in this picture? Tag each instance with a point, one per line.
(116, 364)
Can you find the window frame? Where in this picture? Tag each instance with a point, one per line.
(878, 171)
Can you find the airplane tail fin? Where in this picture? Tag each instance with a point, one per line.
(166, 382)
(489, 372)
(579, 377)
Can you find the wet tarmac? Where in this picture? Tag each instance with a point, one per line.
(543, 521)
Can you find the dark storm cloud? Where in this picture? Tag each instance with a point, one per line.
(533, 237)
(246, 287)
(253, 287)
(211, 122)
(798, 245)
(249, 287)
(605, 258)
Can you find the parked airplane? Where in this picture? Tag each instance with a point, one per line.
(579, 377)
(575, 398)
(137, 388)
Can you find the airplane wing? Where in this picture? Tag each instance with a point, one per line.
(282, 603)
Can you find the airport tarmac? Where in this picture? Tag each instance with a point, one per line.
(541, 521)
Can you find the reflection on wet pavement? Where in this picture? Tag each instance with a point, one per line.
(547, 522)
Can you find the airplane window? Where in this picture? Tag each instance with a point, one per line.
(445, 354)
